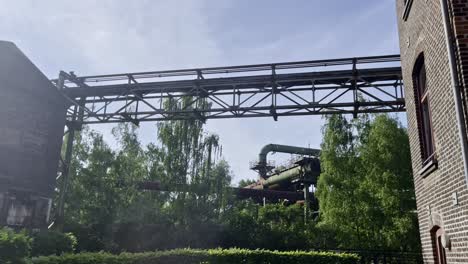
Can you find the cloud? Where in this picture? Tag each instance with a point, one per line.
(97, 37)
(111, 36)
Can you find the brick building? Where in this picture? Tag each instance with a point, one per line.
(434, 51)
(32, 118)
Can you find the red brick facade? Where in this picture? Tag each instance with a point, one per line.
(441, 192)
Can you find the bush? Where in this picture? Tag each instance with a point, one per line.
(232, 256)
(214, 256)
(14, 247)
(89, 237)
(52, 243)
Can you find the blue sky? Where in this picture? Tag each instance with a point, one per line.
(98, 37)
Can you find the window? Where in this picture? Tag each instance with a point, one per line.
(439, 251)
(423, 111)
(407, 8)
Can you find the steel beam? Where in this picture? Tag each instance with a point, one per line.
(348, 86)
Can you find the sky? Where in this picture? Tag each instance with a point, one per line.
(99, 37)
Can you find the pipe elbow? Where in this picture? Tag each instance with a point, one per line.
(262, 156)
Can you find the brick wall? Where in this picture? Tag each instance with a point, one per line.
(459, 17)
(423, 32)
(32, 119)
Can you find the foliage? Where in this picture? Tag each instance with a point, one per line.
(46, 243)
(242, 183)
(14, 247)
(104, 203)
(366, 191)
(273, 226)
(214, 256)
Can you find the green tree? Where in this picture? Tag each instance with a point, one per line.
(365, 191)
(104, 203)
(338, 187)
(92, 200)
(130, 167)
(389, 185)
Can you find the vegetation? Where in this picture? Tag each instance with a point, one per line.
(14, 247)
(106, 210)
(244, 182)
(365, 193)
(45, 243)
(214, 256)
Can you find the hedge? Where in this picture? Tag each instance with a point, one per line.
(45, 243)
(213, 256)
(14, 247)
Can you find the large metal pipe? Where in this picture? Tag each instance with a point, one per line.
(307, 170)
(287, 175)
(256, 194)
(242, 193)
(262, 156)
(455, 86)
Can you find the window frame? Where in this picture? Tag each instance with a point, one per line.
(423, 110)
(406, 11)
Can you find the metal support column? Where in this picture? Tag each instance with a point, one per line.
(66, 161)
(306, 202)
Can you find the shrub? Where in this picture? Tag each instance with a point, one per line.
(89, 237)
(214, 256)
(14, 247)
(52, 243)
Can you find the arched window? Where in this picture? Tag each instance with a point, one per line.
(437, 234)
(423, 111)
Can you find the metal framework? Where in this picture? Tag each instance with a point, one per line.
(351, 86)
(347, 86)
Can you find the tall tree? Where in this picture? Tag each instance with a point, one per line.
(338, 189)
(104, 195)
(389, 184)
(93, 198)
(365, 190)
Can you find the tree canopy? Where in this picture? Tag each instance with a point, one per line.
(366, 190)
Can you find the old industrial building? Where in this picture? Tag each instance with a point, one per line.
(434, 56)
(32, 113)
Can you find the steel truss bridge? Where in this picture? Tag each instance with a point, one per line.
(347, 86)
(344, 86)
